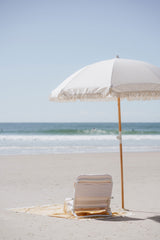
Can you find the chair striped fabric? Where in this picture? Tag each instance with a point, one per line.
(92, 195)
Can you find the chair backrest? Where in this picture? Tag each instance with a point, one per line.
(92, 192)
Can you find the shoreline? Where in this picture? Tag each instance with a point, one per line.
(115, 151)
(80, 153)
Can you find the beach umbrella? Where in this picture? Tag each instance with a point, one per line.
(113, 79)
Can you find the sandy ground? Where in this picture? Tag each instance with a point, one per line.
(48, 179)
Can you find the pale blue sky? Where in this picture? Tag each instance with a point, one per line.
(42, 42)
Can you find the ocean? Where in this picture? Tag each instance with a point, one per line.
(41, 138)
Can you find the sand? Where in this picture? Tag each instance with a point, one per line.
(33, 180)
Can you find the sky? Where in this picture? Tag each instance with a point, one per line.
(42, 42)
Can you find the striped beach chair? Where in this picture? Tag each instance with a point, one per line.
(92, 195)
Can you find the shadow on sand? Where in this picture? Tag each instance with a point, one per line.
(119, 219)
(155, 218)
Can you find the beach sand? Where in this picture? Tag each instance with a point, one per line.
(32, 180)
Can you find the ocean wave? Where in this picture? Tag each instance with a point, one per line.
(14, 137)
(79, 129)
(35, 138)
(79, 132)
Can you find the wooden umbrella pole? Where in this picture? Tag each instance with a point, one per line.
(121, 153)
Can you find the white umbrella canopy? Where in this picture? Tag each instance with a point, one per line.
(107, 80)
(113, 79)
